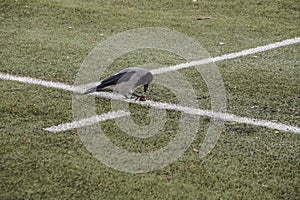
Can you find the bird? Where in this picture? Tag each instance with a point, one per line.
(125, 82)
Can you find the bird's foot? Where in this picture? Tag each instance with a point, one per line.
(139, 97)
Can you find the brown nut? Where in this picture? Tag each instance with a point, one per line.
(142, 98)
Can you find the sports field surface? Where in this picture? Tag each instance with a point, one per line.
(255, 45)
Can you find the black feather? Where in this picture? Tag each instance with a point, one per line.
(113, 80)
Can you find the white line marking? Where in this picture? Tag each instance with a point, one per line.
(218, 115)
(87, 121)
(208, 113)
(194, 111)
(227, 56)
(37, 82)
(158, 105)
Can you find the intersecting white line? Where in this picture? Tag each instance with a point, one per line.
(218, 115)
(87, 121)
(227, 56)
(159, 105)
(35, 81)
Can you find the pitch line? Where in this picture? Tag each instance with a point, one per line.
(222, 116)
(158, 105)
(227, 56)
(34, 81)
(87, 121)
(217, 115)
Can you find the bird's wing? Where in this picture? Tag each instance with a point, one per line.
(110, 81)
(127, 83)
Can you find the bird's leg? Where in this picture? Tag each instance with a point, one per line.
(136, 95)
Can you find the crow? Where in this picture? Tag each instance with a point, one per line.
(125, 82)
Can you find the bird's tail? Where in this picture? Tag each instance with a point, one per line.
(91, 90)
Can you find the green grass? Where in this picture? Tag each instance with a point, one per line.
(50, 39)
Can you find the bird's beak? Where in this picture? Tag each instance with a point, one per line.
(146, 87)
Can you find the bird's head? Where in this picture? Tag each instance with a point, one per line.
(146, 87)
(149, 78)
